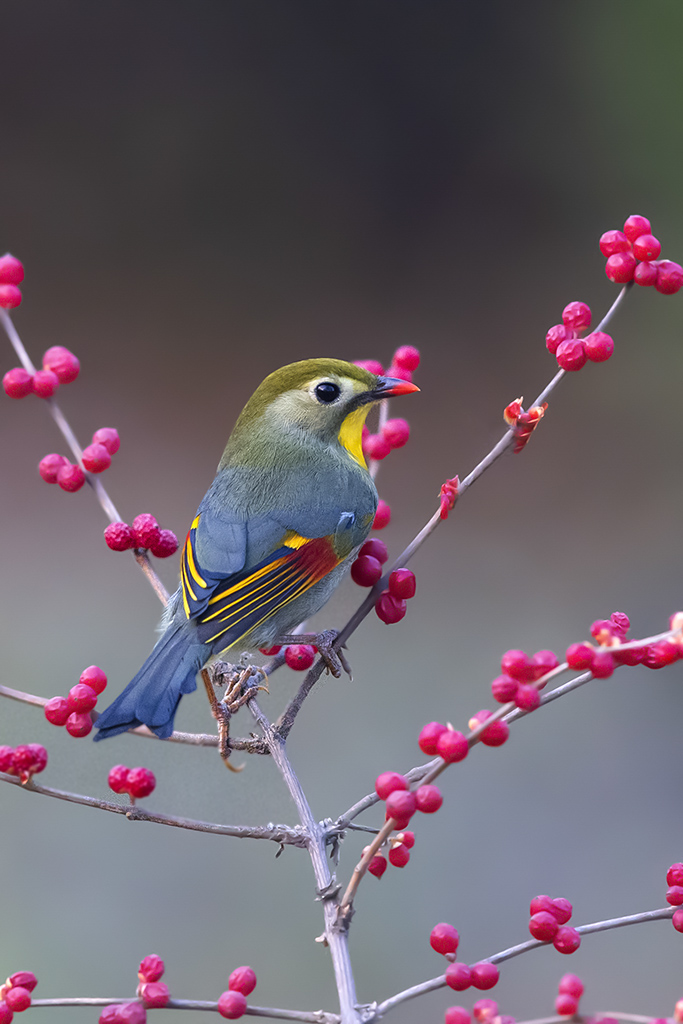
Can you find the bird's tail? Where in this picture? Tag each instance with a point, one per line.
(152, 697)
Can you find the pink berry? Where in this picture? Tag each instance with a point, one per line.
(429, 737)
(543, 662)
(389, 782)
(517, 664)
(458, 976)
(396, 433)
(407, 838)
(119, 537)
(132, 1013)
(504, 689)
(57, 710)
(407, 357)
(29, 759)
(63, 363)
(376, 446)
(452, 746)
(141, 782)
(484, 1010)
(620, 267)
(154, 994)
(555, 335)
(444, 938)
(300, 656)
(579, 656)
(151, 968)
(109, 437)
(365, 571)
(371, 365)
(677, 919)
(561, 909)
(390, 609)
(543, 926)
(661, 654)
(110, 1014)
(18, 999)
(540, 903)
(571, 984)
(571, 354)
(242, 979)
(49, 466)
(376, 549)
(599, 346)
(528, 697)
(602, 665)
(612, 242)
(270, 652)
(669, 277)
(96, 458)
(485, 975)
(401, 805)
(166, 545)
(428, 798)
(495, 734)
(117, 780)
(17, 383)
(7, 760)
(70, 478)
(78, 724)
(674, 895)
(456, 1014)
(378, 865)
(646, 247)
(645, 274)
(94, 677)
(674, 875)
(44, 383)
(402, 584)
(382, 515)
(400, 372)
(635, 226)
(566, 1005)
(567, 940)
(145, 530)
(26, 979)
(232, 1005)
(576, 315)
(81, 698)
(621, 622)
(10, 296)
(399, 855)
(11, 269)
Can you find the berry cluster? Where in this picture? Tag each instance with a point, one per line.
(484, 1011)
(59, 367)
(405, 361)
(74, 710)
(401, 803)
(241, 983)
(674, 894)
(399, 854)
(437, 740)
(136, 782)
(610, 633)
(391, 603)
(152, 993)
(11, 275)
(569, 349)
(570, 990)
(367, 568)
(632, 255)
(15, 994)
(143, 534)
(24, 761)
(519, 682)
(444, 939)
(300, 657)
(393, 434)
(548, 923)
(56, 469)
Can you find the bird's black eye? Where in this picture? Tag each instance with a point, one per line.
(327, 392)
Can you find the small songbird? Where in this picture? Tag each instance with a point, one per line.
(291, 503)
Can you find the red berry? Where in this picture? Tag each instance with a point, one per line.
(566, 1005)
(602, 665)
(485, 975)
(109, 437)
(456, 1014)
(495, 734)
(17, 383)
(10, 296)
(677, 919)
(29, 759)
(375, 548)
(576, 315)
(300, 656)
(517, 664)
(382, 515)
(543, 926)
(557, 334)
(154, 994)
(166, 545)
(96, 458)
(44, 383)
(635, 226)
(57, 710)
(567, 940)
(81, 698)
(407, 357)
(646, 247)
(407, 838)
(485, 1010)
(242, 979)
(145, 530)
(26, 979)
(429, 737)
(504, 688)
(399, 855)
(599, 346)
(232, 1005)
(151, 968)
(543, 662)
(110, 1014)
(377, 865)
(401, 805)
(389, 782)
(94, 677)
(661, 654)
(674, 895)
(371, 365)
(674, 875)
(669, 277)
(561, 909)
(365, 571)
(621, 622)
(132, 1013)
(458, 976)
(18, 999)
(376, 446)
(63, 363)
(528, 697)
(428, 799)
(620, 267)
(444, 938)
(400, 372)
(579, 656)
(78, 724)
(540, 903)
(645, 274)
(270, 652)
(11, 269)
(117, 780)
(402, 584)
(7, 760)
(452, 746)
(614, 241)
(119, 537)
(571, 354)
(571, 984)
(49, 466)
(396, 433)
(141, 782)
(390, 609)
(70, 478)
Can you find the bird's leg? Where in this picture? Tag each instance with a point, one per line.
(222, 714)
(326, 642)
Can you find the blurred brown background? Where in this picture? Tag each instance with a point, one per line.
(202, 192)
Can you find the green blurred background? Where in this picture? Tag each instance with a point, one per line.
(202, 192)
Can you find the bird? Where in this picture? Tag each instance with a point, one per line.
(290, 506)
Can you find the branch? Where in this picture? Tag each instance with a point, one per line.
(314, 1017)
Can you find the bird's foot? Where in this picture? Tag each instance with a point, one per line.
(240, 689)
(330, 651)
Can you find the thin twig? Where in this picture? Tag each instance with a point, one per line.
(314, 1017)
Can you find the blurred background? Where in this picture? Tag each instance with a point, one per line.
(201, 193)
